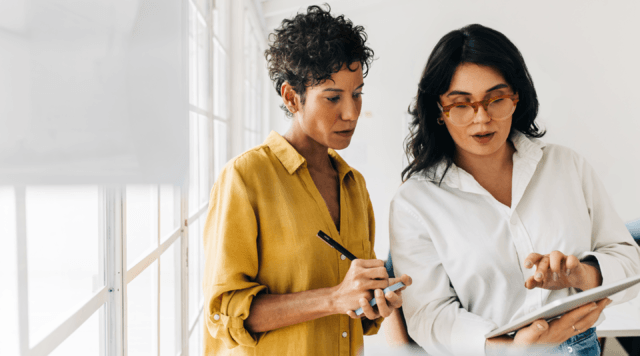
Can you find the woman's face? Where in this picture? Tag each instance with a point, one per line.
(331, 110)
(482, 136)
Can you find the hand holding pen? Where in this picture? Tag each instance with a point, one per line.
(364, 281)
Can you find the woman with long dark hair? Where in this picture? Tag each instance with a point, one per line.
(491, 222)
(271, 286)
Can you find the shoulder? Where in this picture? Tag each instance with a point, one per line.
(414, 190)
(563, 156)
(248, 166)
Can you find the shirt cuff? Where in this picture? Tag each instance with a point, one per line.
(226, 319)
(611, 272)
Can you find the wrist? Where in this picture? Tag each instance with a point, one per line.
(593, 276)
(333, 301)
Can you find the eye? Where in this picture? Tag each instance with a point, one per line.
(334, 99)
(357, 95)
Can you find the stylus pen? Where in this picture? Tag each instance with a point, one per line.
(331, 242)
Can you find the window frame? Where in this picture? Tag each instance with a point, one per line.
(112, 223)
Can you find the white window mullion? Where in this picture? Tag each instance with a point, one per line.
(114, 266)
(184, 270)
(123, 234)
(23, 293)
(159, 275)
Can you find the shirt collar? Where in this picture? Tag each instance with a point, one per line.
(528, 151)
(292, 160)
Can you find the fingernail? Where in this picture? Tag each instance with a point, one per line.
(540, 327)
(609, 301)
(555, 276)
(528, 264)
(593, 308)
(538, 275)
(567, 272)
(378, 293)
(389, 295)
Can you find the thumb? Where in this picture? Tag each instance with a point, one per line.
(531, 333)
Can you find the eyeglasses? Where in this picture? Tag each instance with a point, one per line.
(498, 108)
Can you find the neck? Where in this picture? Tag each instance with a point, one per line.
(492, 164)
(314, 153)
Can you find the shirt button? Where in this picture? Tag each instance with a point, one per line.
(343, 257)
(344, 334)
(570, 349)
(216, 317)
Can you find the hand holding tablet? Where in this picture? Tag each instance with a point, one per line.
(567, 304)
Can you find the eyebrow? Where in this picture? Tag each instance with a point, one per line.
(340, 90)
(495, 87)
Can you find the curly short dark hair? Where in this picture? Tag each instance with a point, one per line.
(307, 49)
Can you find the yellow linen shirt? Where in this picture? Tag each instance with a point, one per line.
(260, 237)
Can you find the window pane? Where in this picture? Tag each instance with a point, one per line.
(195, 280)
(220, 23)
(204, 161)
(169, 210)
(193, 163)
(87, 340)
(201, 258)
(193, 58)
(142, 221)
(9, 268)
(63, 253)
(170, 300)
(204, 89)
(142, 312)
(220, 144)
(195, 340)
(220, 80)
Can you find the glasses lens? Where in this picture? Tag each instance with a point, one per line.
(501, 108)
(461, 114)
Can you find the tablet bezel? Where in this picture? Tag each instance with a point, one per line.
(561, 306)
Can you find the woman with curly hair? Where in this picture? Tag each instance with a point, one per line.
(271, 286)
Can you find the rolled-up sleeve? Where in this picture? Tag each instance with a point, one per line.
(435, 318)
(612, 245)
(231, 261)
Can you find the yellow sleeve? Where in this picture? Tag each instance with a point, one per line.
(231, 261)
(371, 327)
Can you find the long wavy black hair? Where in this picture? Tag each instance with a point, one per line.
(429, 143)
(309, 48)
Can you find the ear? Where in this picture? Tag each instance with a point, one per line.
(289, 97)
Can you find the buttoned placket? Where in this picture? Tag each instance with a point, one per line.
(341, 260)
(524, 165)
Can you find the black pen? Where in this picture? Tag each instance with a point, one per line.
(331, 242)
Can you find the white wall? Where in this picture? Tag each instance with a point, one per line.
(582, 55)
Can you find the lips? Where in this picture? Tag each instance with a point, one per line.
(483, 137)
(346, 132)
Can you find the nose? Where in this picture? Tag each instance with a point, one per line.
(351, 110)
(481, 116)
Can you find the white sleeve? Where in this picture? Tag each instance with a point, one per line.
(435, 318)
(613, 246)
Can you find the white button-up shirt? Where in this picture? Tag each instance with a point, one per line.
(465, 251)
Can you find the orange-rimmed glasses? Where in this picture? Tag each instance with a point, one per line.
(498, 108)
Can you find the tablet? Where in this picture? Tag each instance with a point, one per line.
(392, 288)
(557, 308)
